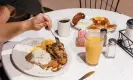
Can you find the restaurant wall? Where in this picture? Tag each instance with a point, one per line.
(60, 4)
(125, 6)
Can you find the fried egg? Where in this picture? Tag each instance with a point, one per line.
(40, 56)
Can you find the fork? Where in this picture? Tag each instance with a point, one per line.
(56, 38)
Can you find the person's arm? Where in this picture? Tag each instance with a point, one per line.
(10, 30)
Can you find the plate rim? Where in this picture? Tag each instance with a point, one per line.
(42, 76)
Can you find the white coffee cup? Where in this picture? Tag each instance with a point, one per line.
(64, 27)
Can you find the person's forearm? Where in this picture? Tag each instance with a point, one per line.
(10, 30)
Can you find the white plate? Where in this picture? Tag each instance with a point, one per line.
(23, 48)
(88, 18)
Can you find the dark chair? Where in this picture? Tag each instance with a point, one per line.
(3, 75)
(44, 9)
(111, 5)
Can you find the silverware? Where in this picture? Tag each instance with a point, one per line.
(87, 75)
(56, 38)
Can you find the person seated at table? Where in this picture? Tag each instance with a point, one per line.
(12, 29)
(20, 9)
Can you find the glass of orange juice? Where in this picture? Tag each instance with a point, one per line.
(93, 44)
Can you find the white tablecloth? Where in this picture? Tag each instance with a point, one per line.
(119, 68)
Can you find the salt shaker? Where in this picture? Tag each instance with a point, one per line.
(111, 48)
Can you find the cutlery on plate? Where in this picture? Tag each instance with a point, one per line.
(87, 75)
(56, 38)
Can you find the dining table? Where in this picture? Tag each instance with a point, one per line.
(118, 68)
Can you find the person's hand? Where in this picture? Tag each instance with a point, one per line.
(40, 21)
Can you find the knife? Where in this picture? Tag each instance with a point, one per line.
(87, 75)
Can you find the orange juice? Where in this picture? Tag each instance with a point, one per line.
(93, 49)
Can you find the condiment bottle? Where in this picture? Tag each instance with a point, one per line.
(129, 31)
(103, 32)
(111, 48)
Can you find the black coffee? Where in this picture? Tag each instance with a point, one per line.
(64, 21)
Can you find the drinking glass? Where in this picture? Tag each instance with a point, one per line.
(93, 45)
